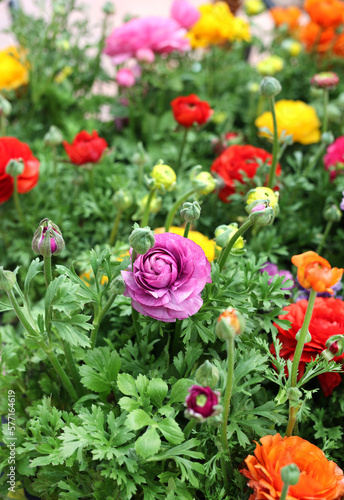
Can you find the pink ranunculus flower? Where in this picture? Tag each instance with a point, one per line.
(125, 78)
(184, 13)
(334, 158)
(145, 55)
(202, 403)
(167, 281)
(158, 34)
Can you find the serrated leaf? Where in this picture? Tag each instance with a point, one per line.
(138, 419)
(99, 373)
(171, 431)
(35, 268)
(126, 384)
(157, 390)
(72, 335)
(180, 390)
(128, 404)
(148, 444)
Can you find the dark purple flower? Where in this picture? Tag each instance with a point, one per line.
(202, 402)
(166, 282)
(272, 270)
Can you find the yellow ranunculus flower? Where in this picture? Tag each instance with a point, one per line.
(164, 176)
(263, 193)
(254, 7)
(270, 66)
(216, 26)
(203, 241)
(295, 118)
(13, 72)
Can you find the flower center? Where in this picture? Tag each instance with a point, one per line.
(201, 400)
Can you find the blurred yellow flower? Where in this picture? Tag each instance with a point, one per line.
(292, 47)
(203, 241)
(216, 26)
(13, 72)
(63, 74)
(254, 7)
(295, 118)
(263, 193)
(88, 278)
(270, 66)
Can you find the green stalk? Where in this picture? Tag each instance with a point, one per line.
(47, 270)
(115, 227)
(73, 368)
(325, 121)
(284, 492)
(176, 338)
(91, 180)
(325, 235)
(225, 252)
(172, 212)
(316, 158)
(2, 124)
(145, 218)
(297, 356)
(179, 161)
(187, 229)
(99, 318)
(275, 146)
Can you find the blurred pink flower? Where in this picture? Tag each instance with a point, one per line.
(159, 35)
(125, 78)
(184, 13)
(334, 158)
(145, 55)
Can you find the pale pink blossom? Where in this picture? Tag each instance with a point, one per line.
(184, 13)
(125, 78)
(145, 55)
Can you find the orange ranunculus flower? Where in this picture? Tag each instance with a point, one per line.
(325, 13)
(320, 478)
(13, 72)
(286, 15)
(315, 37)
(315, 272)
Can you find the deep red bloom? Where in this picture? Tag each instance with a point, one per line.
(201, 401)
(235, 160)
(85, 148)
(190, 109)
(12, 149)
(327, 320)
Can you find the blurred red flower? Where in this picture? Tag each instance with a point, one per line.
(327, 320)
(85, 148)
(188, 110)
(13, 149)
(235, 161)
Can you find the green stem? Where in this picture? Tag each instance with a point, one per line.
(297, 356)
(316, 158)
(226, 401)
(73, 368)
(275, 146)
(2, 124)
(224, 255)
(115, 227)
(179, 161)
(187, 229)
(325, 235)
(172, 212)
(284, 492)
(21, 316)
(99, 318)
(191, 424)
(325, 121)
(91, 180)
(47, 270)
(135, 316)
(145, 218)
(176, 339)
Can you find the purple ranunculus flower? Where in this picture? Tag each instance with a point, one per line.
(272, 270)
(202, 402)
(166, 282)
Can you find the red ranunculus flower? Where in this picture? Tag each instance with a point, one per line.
(12, 149)
(190, 109)
(235, 160)
(85, 148)
(327, 320)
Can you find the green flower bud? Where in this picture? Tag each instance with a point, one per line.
(5, 106)
(290, 474)
(224, 233)
(327, 138)
(141, 239)
(7, 280)
(204, 182)
(53, 137)
(191, 211)
(229, 324)
(308, 336)
(118, 285)
(207, 375)
(270, 87)
(164, 176)
(15, 167)
(122, 199)
(47, 240)
(261, 213)
(294, 394)
(332, 213)
(109, 8)
(335, 347)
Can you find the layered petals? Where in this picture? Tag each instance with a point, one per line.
(188, 110)
(85, 148)
(315, 272)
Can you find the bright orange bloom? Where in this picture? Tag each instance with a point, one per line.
(315, 272)
(288, 15)
(319, 479)
(317, 38)
(326, 13)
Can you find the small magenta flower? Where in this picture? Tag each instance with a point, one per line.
(184, 13)
(48, 240)
(202, 403)
(125, 78)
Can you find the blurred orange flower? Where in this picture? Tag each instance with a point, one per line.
(314, 36)
(325, 13)
(319, 479)
(286, 15)
(315, 272)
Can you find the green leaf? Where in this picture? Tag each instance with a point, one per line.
(128, 404)
(138, 419)
(126, 384)
(171, 431)
(157, 390)
(148, 444)
(35, 268)
(99, 373)
(180, 390)
(67, 331)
